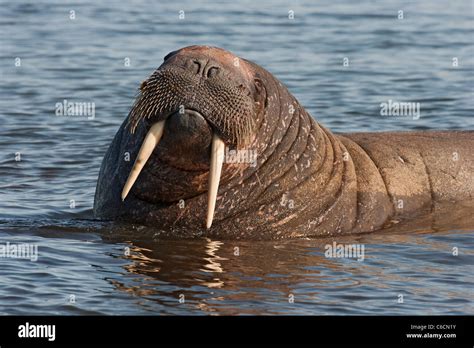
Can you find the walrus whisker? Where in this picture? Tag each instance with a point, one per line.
(217, 159)
(151, 140)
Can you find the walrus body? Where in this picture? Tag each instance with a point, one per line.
(305, 182)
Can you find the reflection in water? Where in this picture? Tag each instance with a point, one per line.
(213, 266)
(124, 270)
(230, 277)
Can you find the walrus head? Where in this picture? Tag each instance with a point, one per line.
(200, 100)
(203, 101)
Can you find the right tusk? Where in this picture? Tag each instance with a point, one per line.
(151, 140)
(217, 159)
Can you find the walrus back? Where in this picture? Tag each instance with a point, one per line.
(432, 165)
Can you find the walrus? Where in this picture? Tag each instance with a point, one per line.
(216, 146)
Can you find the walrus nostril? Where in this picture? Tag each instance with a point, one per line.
(203, 68)
(212, 71)
(198, 65)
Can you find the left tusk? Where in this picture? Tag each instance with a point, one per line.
(151, 140)
(217, 159)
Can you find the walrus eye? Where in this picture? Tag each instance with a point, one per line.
(261, 93)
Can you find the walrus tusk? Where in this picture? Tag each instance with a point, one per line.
(217, 159)
(151, 140)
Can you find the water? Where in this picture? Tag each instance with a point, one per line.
(90, 267)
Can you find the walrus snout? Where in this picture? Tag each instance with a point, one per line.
(211, 81)
(186, 142)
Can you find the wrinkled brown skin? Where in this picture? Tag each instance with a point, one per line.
(308, 182)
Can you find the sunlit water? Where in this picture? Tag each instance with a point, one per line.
(90, 267)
